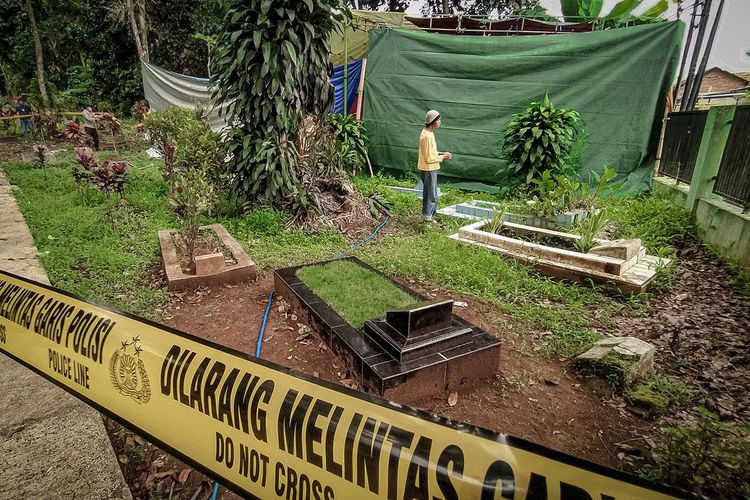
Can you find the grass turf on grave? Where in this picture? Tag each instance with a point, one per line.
(354, 292)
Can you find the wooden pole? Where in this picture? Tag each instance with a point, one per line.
(346, 75)
(361, 89)
(369, 165)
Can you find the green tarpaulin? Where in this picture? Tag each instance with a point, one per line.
(616, 79)
(351, 45)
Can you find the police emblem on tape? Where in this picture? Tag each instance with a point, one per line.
(128, 373)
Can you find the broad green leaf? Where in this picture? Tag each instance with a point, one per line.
(622, 8)
(657, 9)
(266, 48)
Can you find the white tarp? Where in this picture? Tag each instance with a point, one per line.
(164, 88)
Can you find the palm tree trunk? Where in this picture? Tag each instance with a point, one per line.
(446, 7)
(39, 56)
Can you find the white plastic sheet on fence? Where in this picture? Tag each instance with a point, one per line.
(164, 88)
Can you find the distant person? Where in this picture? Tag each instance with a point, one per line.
(429, 163)
(89, 125)
(23, 110)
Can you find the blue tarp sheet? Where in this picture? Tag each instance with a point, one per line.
(354, 70)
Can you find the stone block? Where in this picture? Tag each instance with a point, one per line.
(619, 249)
(209, 264)
(619, 359)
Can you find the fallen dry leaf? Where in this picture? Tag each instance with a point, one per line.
(453, 399)
(184, 475)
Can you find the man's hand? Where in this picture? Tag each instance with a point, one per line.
(447, 155)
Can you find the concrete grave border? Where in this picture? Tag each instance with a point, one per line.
(179, 280)
(372, 367)
(632, 274)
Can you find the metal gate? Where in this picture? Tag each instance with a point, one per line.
(682, 140)
(733, 180)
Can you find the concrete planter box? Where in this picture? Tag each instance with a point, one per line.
(564, 220)
(619, 265)
(209, 269)
(477, 209)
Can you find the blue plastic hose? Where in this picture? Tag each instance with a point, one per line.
(342, 253)
(263, 325)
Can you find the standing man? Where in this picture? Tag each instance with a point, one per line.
(23, 109)
(429, 163)
(89, 125)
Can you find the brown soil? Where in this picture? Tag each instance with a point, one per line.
(531, 397)
(701, 331)
(207, 243)
(549, 241)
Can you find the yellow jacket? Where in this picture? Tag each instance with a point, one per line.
(428, 153)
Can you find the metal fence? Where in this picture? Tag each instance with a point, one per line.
(733, 180)
(682, 140)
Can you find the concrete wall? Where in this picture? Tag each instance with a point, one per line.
(724, 225)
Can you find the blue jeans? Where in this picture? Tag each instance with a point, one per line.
(26, 130)
(429, 194)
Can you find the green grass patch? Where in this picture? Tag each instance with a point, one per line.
(92, 246)
(265, 238)
(660, 224)
(354, 292)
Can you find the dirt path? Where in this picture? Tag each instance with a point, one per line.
(701, 331)
(530, 397)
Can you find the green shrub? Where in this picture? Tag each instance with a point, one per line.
(163, 125)
(193, 197)
(539, 138)
(198, 146)
(351, 140)
(708, 457)
(589, 229)
(186, 142)
(553, 195)
(272, 63)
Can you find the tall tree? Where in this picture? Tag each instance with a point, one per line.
(39, 53)
(136, 12)
(272, 64)
(387, 5)
(132, 13)
(494, 8)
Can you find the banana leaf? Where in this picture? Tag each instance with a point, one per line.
(657, 9)
(592, 8)
(622, 8)
(571, 10)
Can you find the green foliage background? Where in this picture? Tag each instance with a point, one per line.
(88, 53)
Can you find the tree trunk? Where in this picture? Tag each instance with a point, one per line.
(142, 54)
(143, 28)
(446, 7)
(39, 56)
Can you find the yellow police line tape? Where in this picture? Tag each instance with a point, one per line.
(17, 117)
(265, 431)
